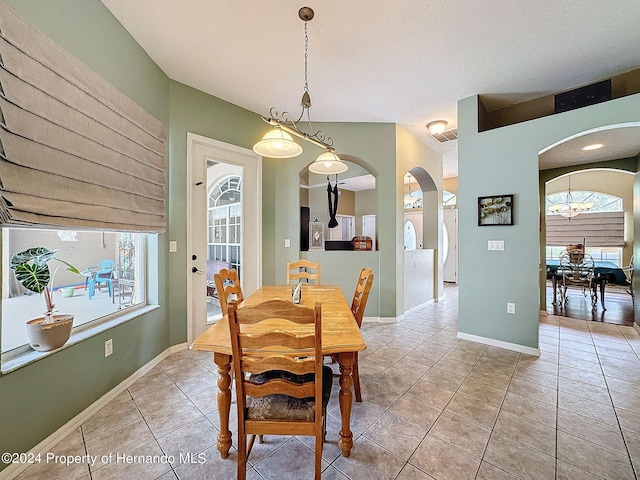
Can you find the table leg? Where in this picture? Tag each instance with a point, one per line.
(346, 400)
(602, 293)
(224, 402)
(554, 283)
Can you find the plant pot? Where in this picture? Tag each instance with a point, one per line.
(67, 291)
(44, 337)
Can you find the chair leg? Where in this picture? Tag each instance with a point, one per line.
(242, 456)
(356, 379)
(318, 463)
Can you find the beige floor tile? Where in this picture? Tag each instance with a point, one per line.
(541, 378)
(415, 411)
(491, 365)
(489, 472)
(206, 401)
(173, 417)
(397, 379)
(632, 440)
(210, 465)
(462, 356)
(468, 436)
(428, 392)
(110, 417)
(198, 383)
(367, 461)
(584, 390)
(472, 409)
(409, 472)
(529, 432)
(626, 401)
(396, 434)
(380, 394)
(534, 363)
(151, 381)
(591, 430)
(580, 364)
(443, 378)
(569, 472)
(629, 421)
(141, 469)
(530, 408)
(501, 355)
(123, 440)
(592, 378)
(482, 392)
(585, 347)
(444, 461)
(518, 459)
(580, 405)
(54, 469)
(572, 352)
(159, 399)
(593, 458)
(622, 386)
(188, 441)
(533, 390)
(488, 377)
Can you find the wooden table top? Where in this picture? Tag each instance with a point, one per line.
(340, 332)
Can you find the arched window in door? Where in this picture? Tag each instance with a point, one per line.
(224, 221)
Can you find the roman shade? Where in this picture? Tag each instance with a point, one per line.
(74, 151)
(602, 229)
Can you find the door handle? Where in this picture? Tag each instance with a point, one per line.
(195, 270)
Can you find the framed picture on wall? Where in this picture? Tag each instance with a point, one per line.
(316, 236)
(495, 210)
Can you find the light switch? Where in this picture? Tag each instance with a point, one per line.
(495, 245)
(287, 243)
(173, 246)
(511, 308)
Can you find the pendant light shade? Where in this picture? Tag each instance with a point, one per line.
(277, 143)
(328, 163)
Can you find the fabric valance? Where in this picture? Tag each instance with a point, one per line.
(602, 229)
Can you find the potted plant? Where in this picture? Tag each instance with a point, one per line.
(32, 271)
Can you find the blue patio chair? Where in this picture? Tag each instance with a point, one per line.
(102, 276)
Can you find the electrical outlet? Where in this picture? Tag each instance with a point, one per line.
(287, 243)
(511, 308)
(108, 347)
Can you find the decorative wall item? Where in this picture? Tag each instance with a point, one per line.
(316, 236)
(495, 210)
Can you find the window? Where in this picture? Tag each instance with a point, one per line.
(448, 198)
(82, 249)
(601, 227)
(225, 221)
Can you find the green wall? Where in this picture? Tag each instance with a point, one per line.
(505, 161)
(193, 111)
(39, 398)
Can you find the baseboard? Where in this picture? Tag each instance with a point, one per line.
(500, 344)
(380, 319)
(48, 444)
(418, 307)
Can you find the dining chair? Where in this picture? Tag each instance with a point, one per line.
(577, 269)
(213, 267)
(282, 386)
(303, 270)
(228, 287)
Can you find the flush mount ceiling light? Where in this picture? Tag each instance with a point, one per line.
(437, 126)
(593, 146)
(277, 143)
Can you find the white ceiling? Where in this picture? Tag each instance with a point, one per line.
(403, 61)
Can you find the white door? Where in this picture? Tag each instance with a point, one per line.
(200, 152)
(450, 245)
(369, 228)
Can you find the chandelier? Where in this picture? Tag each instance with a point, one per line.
(278, 142)
(569, 208)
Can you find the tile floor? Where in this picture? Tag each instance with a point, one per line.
(434, 408)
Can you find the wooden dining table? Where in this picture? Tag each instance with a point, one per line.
(341, 336)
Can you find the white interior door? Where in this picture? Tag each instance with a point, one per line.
(450, 245)
(369, 228)
(200, 151)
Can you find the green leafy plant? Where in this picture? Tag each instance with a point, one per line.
(32, 271)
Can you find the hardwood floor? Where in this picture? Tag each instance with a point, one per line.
(619, 307)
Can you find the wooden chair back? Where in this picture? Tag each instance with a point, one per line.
(361, 295)
(303, 270)
(290, 341)
(228, 288)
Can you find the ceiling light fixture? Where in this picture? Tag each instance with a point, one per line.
(277, 143)
(593, 146)
(437, 126)
(569, 208)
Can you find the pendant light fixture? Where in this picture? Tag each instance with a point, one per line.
(569, 208)
(278, 143)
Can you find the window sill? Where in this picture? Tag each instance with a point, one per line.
(13, 362)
